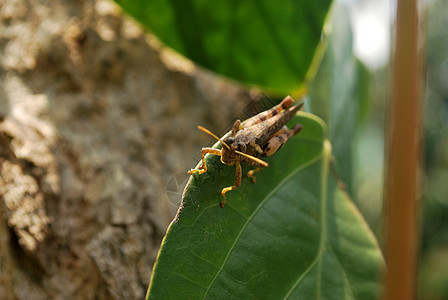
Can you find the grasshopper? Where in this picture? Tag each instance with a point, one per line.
(259, 136)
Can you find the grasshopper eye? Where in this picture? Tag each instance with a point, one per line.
(241, 147)
(229, 140)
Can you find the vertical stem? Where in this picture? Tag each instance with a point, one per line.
(403, 157)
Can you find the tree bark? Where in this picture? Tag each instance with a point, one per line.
(97, 131)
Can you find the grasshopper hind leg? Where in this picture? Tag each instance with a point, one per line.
(279, 139)
(286, 103)
(274, 144)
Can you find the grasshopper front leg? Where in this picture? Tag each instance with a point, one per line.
(251, 173)
(238, 175)
(205, 151)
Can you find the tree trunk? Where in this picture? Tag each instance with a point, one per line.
(97, 131)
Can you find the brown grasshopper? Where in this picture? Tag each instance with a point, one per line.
(261, 135)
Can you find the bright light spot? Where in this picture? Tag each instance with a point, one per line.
(371, 21)
(371, 40)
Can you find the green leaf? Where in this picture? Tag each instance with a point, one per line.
(293, 234)
(267, 43)
(339, 92)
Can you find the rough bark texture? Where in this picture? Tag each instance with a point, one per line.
(97, 130)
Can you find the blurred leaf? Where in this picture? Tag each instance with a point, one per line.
(433, 277)
(267, 43)
(433, 263)
(293, 234)
(339, 93)
(363, 92)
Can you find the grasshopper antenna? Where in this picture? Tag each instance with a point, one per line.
(213, 135)
(255, 159)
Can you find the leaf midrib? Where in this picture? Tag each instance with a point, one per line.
(323, 238)
(318, 260)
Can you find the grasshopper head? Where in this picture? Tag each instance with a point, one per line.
(229, 155)
(233, 151)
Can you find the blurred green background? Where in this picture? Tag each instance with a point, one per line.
(433, 256)
(434, 240)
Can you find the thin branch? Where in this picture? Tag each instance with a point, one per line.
(403, 157)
